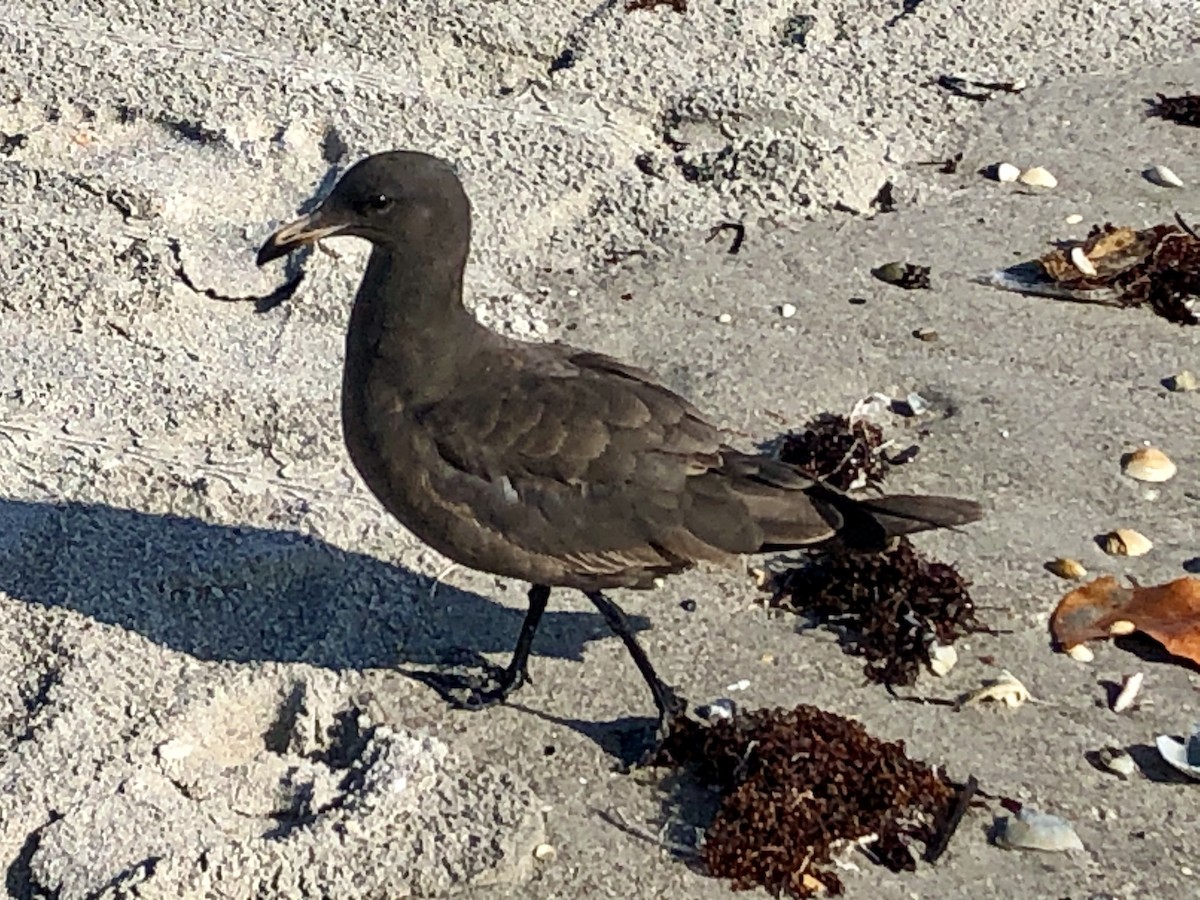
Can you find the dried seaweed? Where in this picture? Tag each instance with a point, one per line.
(1184, 109)
(800, 786)
(1158, 267)
(892, 605)
(837, 451)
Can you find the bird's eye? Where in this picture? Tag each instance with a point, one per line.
(377, 203)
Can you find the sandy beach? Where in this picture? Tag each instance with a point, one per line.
(206, 619)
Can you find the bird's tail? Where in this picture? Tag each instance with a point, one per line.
(869, 523)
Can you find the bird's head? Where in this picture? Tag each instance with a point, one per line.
(402, 201)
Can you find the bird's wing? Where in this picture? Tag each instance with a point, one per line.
(570, 453)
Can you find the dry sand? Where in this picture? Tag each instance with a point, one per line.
(204, 617)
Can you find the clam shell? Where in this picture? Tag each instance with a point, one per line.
(1126, 542)
(1121, 627)
(1163, 177)
(1117, 761)
(1081, 653)
(1006, 172)
(1033, 830)
(1064, 567)
(1128, 693)
(1038, 177)
(1079, 259)
(1148, 464)
(1184, 381)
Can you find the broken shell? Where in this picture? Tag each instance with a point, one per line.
(1116, 760)
(1184, 381)
(1006, 689)
(1182, 755)
(1064, 567)
(1038, 177)
(1081, 653)
(1128, 693)
(1148, 464)
(1033, 830)
(544, 853)
(1006, 172)
(1126, 542)
(1121, 627)
(1163, 177)
(942, 659)
(1079, 259)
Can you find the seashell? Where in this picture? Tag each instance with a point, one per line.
(1006, 689)
(1033, 830)
(1163, 177)
(1038, 177)
(1148, 464)
(1064, 567)
(545, 853)
(787, 310)
(1121, 627)
(1079, 259)
(942, 658)
(1183, 382)
(1126, 542)
(1006, 172)
(1183, 755)
(1116, 760)
(1128, 693)
(1081, 653)
(1073, 219)
(174, 750)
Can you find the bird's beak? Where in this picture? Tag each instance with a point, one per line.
(305, 230)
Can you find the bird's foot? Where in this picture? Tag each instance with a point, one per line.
(671, 707)
(495, 690)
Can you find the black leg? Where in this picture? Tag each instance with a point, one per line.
(517, 672)
(668, 702)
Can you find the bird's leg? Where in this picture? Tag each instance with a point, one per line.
(670, 705)
(517, 672)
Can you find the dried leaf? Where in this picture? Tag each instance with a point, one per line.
(1169, 613)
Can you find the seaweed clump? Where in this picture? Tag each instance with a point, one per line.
(892, 606)
(799, 787)
(1184, 109)
(1158, 267)
(840, 452)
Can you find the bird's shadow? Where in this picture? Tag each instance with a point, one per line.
(245, 594)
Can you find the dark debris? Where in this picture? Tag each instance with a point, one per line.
(837, 452)
(891, 605)
(1158, 267)
(798, 786)
(680, 6)
(903, 275)
(1184, 109)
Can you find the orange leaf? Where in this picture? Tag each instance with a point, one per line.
(1169, 613)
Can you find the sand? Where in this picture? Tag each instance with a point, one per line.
(204, 617)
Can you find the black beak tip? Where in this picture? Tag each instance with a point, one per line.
(270, 251)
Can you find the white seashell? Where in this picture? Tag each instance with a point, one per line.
(1126, 542)
(739, 685)
(1183, 382)
(1163, 177)
(1117, 761)
(1149, 464)
(1121, 627)
(1038, 177)
(1183, 755)
(1081, 653)
(1006, 172)
(942, 659)
(1079, 259)
(1073, 219)
(787, 310)
(545, 853)
(1006, 689)
(1064, 567)
(724, 318)
(1128, 693)
(1033, 830)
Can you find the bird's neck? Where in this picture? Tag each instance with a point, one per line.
(409, 325)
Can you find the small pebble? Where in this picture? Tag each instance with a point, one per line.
(1032, 830)
(724, 318)
(175, 750)
(787, 310)
(544, 853)
(1006, 172)
(688, 605)
(740, 685)
(1163, 177)
(925, 334)
(1073, 219)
